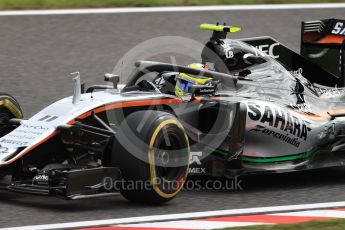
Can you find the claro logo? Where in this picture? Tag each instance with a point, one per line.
(269, 49)
(34, 127)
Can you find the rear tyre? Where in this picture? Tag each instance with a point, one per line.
(152, 151)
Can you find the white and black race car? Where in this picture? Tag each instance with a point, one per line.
(269, 110)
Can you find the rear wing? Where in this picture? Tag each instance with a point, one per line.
(323, 43)
(310, 70)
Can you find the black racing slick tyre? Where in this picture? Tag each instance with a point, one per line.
(152, 151)
(9, 108)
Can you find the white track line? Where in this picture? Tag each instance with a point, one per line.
(182, 216)
(315, 213)
(192, 224)
(174, 9)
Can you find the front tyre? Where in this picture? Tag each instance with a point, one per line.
(152, 151)
(9, 108)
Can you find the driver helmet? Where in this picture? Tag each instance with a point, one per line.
(185, 81)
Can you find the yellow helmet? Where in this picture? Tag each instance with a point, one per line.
(185, 81)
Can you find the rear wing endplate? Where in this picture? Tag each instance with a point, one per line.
(323, 43)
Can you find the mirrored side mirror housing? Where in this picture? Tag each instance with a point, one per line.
(253, 59)
(115, 79)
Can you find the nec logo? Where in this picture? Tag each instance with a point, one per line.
(269, 49)
(339, 29)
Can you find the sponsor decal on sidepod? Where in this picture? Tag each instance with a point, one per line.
(279, 119)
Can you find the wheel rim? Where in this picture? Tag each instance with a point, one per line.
(170, 155)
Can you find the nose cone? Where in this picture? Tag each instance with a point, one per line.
(3, 150)
(7, 153)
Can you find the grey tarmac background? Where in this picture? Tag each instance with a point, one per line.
(37, 53)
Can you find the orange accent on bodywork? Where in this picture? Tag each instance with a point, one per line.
(323, 116)
(197, 100)
(332, 39)
(99, 110)
(316, 117)
(127, 104)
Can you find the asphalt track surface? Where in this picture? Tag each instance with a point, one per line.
(38, 52)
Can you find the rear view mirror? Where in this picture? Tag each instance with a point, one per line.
(115, 79)
(253, 59)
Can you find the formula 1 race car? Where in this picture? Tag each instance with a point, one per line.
(262, 108)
